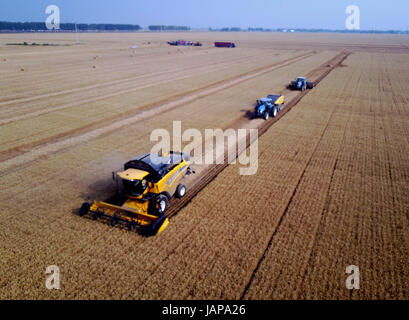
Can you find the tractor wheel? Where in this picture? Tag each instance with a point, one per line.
(274, 112)
(180, 191)
(84, 209)
(266, 116)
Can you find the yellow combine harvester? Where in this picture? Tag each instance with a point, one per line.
(145, 187)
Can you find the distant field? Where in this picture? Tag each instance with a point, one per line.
(331, 190)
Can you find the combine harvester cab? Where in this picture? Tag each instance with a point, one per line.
(270, 106)
(145, 187)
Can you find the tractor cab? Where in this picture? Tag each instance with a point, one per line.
(263, 108)
(263, 105)
(301, 83)
(265, 102)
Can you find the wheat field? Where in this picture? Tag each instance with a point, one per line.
(331, 189)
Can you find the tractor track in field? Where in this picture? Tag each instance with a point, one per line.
(22, 156)
(174, 75)
(284, 214)
(7, 100)
(83, 72)
(210, 174)
(115, 82)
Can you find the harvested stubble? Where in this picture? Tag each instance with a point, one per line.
(48, 115)
(321, 201)
(87, 252)
(332, 186)
(347, 209)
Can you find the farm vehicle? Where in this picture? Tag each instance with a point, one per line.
(184, 43)
(270, 106)
(144, 189)
(301, 84)
(225, 45)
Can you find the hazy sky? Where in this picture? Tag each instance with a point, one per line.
(375, 14)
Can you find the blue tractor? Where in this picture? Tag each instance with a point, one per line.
(270, 106)
(301, 84)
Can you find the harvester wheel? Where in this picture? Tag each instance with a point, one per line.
(84, 209)
(180, 191)
(161, 205)
(266, 116)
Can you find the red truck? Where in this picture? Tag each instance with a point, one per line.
(225, 44)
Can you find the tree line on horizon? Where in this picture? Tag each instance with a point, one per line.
(250, 29)
(41, 26)
(168, 28)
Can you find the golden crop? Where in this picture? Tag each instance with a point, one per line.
(331, 189)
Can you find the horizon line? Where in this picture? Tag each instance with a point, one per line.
(210, 29)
